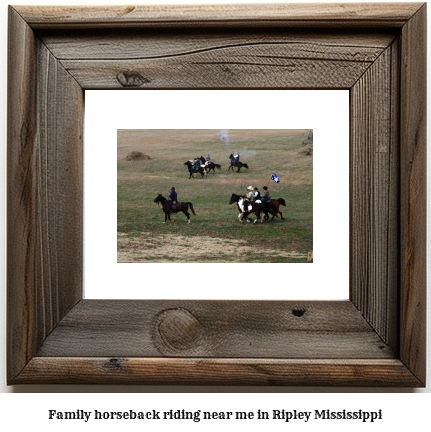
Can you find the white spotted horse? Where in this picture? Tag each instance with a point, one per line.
(256, 207)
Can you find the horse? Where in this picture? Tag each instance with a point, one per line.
(181, 206)
(237, 199)
(238, 164)
(276, 203)
(208, 165)
(212, 166)
(192, 171)
(254, 207)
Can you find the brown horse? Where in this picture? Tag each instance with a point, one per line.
(238, 164)
(276, 203)
(181, 206)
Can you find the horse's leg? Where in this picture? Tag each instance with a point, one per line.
(166, 216)
(187, 216)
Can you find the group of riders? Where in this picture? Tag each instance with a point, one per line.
(252, 196)
(197, 162)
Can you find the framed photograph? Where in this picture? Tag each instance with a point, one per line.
(376, 337)
(127, 165)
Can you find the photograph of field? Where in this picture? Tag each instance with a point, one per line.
(151, 161)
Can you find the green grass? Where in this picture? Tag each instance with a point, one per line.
(139, 182)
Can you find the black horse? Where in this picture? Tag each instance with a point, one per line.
(209, 165)
(257, 208)
(181, 206)
(238, 164)
(192, 171)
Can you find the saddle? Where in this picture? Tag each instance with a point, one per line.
(176, 205)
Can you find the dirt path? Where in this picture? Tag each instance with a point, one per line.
(149, 248)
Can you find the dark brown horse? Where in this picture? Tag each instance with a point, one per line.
(192, 171)
(238, 164)
(208, 165)
(179, 207)
(276, 203)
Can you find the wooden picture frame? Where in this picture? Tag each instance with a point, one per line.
(376, 338)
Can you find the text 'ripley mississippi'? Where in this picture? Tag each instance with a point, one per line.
(198, 415)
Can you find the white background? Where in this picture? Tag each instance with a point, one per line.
(323, 111)
(403, 410)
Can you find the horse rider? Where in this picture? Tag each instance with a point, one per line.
(249, 197)
(208, 157)
(236, 156)
(256, 194)
(173, 199)
(265, 197)
(196, 163)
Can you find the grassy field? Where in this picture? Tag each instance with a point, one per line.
(215, 234)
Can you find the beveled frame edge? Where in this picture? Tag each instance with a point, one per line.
(25, 293)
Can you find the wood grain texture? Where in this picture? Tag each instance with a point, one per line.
(207, 59)
(301, 15)
(413, 194)
(21, 197)
(56, 53)
(227, 329)
(374, 195)
(256, 61)
(197, 371)
(45, 105)
(59, 183)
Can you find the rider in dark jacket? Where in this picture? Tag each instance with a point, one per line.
(173, 198)
(256, 194)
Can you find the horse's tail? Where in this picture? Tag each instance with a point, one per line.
(217, 166)
(245, 166)
(282, 202)
(191, 208)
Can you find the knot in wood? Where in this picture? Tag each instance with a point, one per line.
(298, 312)
(178, 329)
(131, 79)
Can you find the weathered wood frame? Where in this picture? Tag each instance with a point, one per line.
(376, 338)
